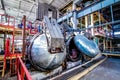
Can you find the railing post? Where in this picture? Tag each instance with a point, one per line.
(23, 71)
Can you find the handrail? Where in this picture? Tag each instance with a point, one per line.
(22, 71)
(8, 20)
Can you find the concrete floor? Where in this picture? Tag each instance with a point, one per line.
(108, 70)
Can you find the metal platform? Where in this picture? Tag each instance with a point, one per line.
(13, 57)
(112, 54)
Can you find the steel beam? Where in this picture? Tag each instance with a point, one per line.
(31, 9)
(3, 8)
(92, 8)
(51, 2)
(2, 3)
(19, 8)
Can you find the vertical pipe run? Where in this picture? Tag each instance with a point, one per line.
(104, 44)
(110, 45)
(13, 35)
(81, 23)
(74, 16)
(111, 13)
(23, 36)
(58, 13)
(92, 24)
(111, 10)
(4, 39)
(67, 17)
(99, 17)
(13, 40)
(86, 23)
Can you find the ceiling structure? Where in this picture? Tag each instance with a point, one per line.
(18, 8)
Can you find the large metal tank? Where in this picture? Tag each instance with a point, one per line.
(39, 56)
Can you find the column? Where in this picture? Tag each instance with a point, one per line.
(74, 17)
(4, 39)
(58, 14)
(104, 44)
(110, 45)
(86, 23)
(92, 25)
(81, 23)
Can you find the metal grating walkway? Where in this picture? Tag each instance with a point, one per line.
(108, 70)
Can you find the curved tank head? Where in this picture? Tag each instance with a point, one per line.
(73, 53)
(86, 46)
(39, 56)
(79, 45)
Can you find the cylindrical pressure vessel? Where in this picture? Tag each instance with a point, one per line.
(39, 55)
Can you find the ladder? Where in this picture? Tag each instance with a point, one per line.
(2, 67)
(13, 66)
